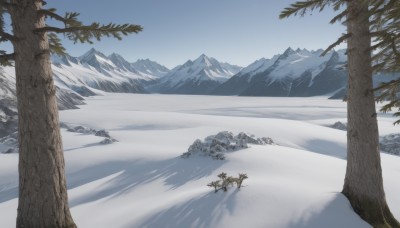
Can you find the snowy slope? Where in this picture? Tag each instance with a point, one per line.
(293, 63)
(141, 181)
(195, 77)
(294, 73)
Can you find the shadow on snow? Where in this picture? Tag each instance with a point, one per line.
(202, 212)
(174, 172)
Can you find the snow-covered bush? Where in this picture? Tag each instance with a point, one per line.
(390, 144)
(225, 182)
(216, 145)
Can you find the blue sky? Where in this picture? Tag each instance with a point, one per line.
(234, 31)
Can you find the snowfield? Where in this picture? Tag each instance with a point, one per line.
(141, 180)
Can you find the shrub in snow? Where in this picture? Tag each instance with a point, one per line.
(340, 126)
(390, 144)
(108, 141)
(225, 182)
(216, 145)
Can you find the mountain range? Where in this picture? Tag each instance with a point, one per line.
(294, 73)
(200, 76)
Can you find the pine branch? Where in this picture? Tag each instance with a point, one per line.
(342, 39)
(55, 45)
(302, 7)
(94, 31)
(339, 17)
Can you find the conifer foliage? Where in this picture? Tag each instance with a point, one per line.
(43, 200)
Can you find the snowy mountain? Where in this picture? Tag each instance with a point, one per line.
(96, 71)
(146, 66)
(92, 73)
(199, 76)
(294, 73)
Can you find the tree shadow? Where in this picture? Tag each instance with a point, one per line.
(326, 147)
(174, 172)
(202, 212)
(337, 213)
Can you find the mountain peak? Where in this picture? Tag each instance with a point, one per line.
(92, 52)
(288, 51)
(206, 61)
(202, 57)
(115, 55)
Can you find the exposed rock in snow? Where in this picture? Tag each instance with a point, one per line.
(87, 130)
(216, 145)
(390, 144)
(340, 126)
(82, 129)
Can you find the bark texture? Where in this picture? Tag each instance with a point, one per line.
(43, 200)
(363, 182)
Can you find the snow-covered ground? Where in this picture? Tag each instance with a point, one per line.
(141, 181)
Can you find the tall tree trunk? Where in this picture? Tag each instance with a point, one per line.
(363, 182)
(43, 200)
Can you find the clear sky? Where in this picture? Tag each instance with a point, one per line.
(234, 31)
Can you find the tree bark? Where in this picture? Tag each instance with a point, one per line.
(43, 200)
(363, 184)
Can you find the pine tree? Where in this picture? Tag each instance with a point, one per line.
(363, 185)
(43, 200)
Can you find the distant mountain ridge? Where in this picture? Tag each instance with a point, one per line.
(294, 73)
(199, 76)
(96, 71)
